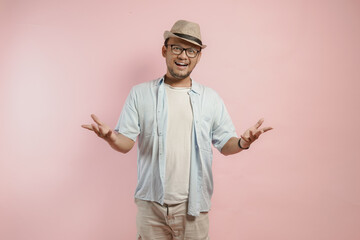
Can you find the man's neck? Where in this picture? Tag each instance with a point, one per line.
(186, 82)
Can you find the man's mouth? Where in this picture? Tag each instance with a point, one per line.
(181, 64)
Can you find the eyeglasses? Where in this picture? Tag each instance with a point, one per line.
(190, 52)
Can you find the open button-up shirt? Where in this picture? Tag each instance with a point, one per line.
(144, 116)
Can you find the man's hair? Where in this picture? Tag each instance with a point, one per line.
(166, 42)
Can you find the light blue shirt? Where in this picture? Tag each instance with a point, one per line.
(144, 116)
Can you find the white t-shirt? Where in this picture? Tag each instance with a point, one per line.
(178, 144)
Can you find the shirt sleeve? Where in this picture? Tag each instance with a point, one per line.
(223, 129)
(128, 123)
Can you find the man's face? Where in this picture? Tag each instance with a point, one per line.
(180, 66)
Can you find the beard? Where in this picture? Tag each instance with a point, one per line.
(177, 75)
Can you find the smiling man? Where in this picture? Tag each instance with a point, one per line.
(180, 60)
(176, 121)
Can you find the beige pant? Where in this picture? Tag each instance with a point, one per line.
(157, 222)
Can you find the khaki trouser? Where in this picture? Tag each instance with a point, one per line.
(165, 222)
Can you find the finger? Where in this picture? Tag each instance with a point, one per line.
(96, 119)
(258, 124)
(103, 131)
(87, 127)
(261, 131)
(258, 133)
(108, 135)
(252, 137)
(245, 136)
(246, 139)
(96, 129)
(266, 129)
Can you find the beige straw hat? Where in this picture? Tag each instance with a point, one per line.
(188, 31)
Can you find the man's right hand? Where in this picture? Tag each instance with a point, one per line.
(116, 140)
(101, 129)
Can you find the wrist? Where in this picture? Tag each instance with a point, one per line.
(111, 138)
(240, 146)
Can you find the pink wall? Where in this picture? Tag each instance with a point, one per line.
(296, 63)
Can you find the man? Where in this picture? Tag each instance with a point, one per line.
(176, 120)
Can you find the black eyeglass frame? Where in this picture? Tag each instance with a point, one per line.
(171, 46)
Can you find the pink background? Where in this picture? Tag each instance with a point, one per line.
(295, 63)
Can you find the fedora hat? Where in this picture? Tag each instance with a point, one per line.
(188, 31)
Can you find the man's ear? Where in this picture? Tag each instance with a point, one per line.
(198, 58)
(163, 51)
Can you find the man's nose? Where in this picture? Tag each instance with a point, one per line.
(183, 55)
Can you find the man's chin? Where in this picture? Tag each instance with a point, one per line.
(179, 76)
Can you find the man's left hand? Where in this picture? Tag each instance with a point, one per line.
(253, 133)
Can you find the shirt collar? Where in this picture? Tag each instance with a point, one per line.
(195, 87)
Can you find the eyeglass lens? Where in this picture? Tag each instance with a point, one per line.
(190, 52)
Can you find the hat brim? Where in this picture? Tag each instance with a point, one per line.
(168, 34)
